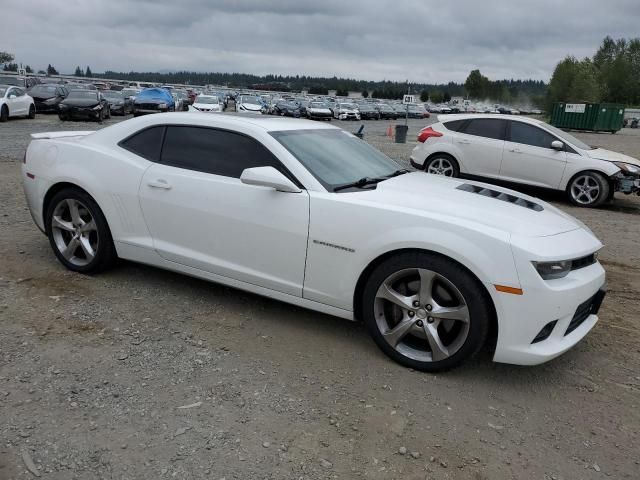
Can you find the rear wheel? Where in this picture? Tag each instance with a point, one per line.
(425, 311)
(442, 165)
(4, 113)
(78, 232)
(589, 189)
(32, 112)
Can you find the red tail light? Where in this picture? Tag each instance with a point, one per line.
(426, 133)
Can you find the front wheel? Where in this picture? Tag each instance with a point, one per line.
(4, 114)
(32, 112)
(78, 232)
(588, 189)
(442, 165)
(425, 311)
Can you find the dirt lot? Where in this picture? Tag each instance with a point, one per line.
(143, 374)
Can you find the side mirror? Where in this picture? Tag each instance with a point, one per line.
(557, 145)
(268, 177)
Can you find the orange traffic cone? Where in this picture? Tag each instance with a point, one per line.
(389, 131)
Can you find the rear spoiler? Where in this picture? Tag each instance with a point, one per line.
(46, 135)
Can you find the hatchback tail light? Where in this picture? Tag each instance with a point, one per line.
(426, 133)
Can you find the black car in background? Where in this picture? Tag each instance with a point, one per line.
(47, 96)
(287, 109)
(19, 81)
(84, 104)
(118, 103)
(386, 111)
(368, 112)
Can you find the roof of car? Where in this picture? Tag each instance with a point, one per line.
(266, 122)
(464, 116)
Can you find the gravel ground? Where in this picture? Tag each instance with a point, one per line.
(139, 373)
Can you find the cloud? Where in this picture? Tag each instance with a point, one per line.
(396, 40)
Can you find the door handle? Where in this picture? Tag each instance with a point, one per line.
(515, 150)
(465, 142)
(159, 183)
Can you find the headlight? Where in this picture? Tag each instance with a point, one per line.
(627, 167)
(162, 105)
(553, 270)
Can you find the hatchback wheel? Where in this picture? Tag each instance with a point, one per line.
(442, 165)
(588, 189)
(425, 311)
(4, 114)
(32, 112)
(78, 232)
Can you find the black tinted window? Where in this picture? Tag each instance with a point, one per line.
(486, 127)
(214, 151)
(454, 125)
(146, 143)
(530, 135)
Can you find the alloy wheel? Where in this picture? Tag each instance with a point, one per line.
(75, 232)
(421, 315)
(441, 166)
(585, 190)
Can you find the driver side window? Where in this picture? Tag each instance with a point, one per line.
(530, 135)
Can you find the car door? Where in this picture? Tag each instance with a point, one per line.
(529, 158)
(480, 142)
(201, 215)
(14, 102)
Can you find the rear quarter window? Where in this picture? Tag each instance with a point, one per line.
(146, 143)
(454, 125)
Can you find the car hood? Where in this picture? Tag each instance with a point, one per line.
(609, 156)
(427, 194)
(80, 102)
(318, 110)
(207, 106)
(251, 106)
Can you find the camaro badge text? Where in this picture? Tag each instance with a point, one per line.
(346, 249)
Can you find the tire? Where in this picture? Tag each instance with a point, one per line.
(4, 114)
(428, 343)
(108, 115)
(93, 234)
(442, 164)
(588, 189)
(101, 116)
(32, 112)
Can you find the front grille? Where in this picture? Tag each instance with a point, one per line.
(590, 307)
(147, 106)
(505, 197)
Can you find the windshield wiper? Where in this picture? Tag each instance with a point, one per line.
(365, 181)
(398, 172)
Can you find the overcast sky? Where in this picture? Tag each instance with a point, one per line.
(419, 40)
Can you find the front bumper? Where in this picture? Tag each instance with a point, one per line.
(571, 302)
(349, 116)
(627, 184)
(80, 112)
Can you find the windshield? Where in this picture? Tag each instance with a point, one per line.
(43, 90)
(129, 93)
(113, 95)
(348, 106)
(207, 100)
(10, 80)
(250, 99)
(83, 94)
(317, 105)
(335, 157)
(567, 136)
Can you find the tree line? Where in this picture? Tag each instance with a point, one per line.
(611, 75)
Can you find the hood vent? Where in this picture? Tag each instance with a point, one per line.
(505, 197)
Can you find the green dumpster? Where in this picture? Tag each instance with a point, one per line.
(597, 117)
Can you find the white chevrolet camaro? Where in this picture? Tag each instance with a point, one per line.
(307, 213)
